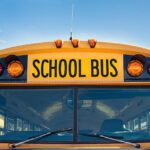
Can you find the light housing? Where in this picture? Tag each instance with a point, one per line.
(148, 69)
(58, 43)
(75, 43)
(15, 68)
(135, 68)
(139, 57)
(92, 43)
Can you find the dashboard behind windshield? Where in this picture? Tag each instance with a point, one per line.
(118, 112)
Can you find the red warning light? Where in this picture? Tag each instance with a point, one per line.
(1, 69)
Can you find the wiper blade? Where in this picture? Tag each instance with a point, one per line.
(136, 145)
(38, 137)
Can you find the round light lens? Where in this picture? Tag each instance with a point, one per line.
(1, 69)
(135, 68)
(15, 68)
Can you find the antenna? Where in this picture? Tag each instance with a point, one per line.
(72, 19)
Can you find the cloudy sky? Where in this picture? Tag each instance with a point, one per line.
(31, 21)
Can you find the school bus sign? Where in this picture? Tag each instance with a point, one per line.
(75, 67)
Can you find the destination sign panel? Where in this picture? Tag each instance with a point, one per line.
(75, 67)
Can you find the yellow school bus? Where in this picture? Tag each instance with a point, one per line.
(75, 95)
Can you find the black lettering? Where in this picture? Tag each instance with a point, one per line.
(64, 73)
(94, 68)
(72, 64)
(102, 68)
(80, 69)
(112, 61)
(42, 68)
(37, 69)
(53, 67)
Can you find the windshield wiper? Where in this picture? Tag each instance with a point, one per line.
(136, 145)
(38, 137)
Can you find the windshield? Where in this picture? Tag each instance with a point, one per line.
(121, 113)
(25, 113)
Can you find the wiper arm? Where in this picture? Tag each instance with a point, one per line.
(40, 137)
(136, 145)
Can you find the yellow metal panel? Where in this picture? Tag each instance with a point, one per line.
(102, 51)
(7, 146)
(67, 47)
(91, 67)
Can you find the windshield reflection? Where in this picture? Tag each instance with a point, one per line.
(25, 113)
(120, 113)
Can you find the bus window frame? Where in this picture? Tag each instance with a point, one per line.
(75, 89)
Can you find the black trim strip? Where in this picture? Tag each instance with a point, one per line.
(75, 139)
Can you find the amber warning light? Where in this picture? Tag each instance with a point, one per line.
(92, 43)
(15, 68)
(75, 43)
(135, 66)
(58, 43)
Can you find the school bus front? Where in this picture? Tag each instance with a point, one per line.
(93, 95)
